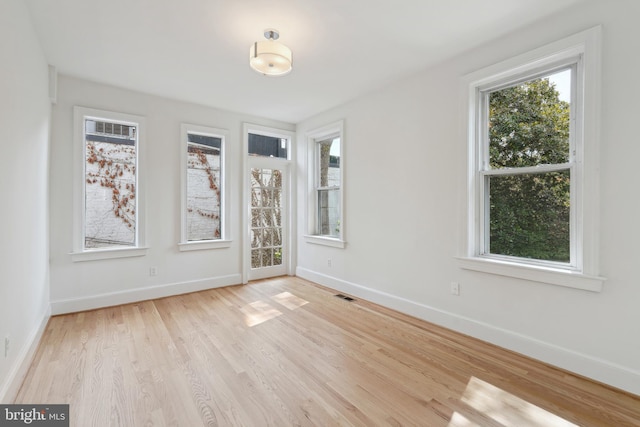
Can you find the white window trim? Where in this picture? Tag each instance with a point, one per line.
(313, 136)
(583, 273)
(79, 253)
(224, 241)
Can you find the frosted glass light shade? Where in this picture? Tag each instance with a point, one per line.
(270, 58)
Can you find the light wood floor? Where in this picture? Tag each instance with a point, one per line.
(285, 352)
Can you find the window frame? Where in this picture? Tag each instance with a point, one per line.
(485, 171)
(582, 49)
(314, 137)
(224, 241)
(79, 252)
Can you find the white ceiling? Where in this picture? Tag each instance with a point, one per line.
(198, 50)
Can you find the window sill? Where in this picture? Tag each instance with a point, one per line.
(204, 245)
(552, 276)
(99, 254)
(325, 241)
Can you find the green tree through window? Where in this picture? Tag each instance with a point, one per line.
(529, 211)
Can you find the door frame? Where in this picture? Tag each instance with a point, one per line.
(289, 189)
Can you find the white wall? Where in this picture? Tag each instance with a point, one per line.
(24, 139)
(402, 226)
(84, 285)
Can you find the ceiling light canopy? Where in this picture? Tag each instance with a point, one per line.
(270, 57)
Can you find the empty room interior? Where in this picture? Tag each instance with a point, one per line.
(377, 212)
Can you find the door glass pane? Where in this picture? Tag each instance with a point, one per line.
(266, 217)
(267, 238)
(255, 258)
(277, 236)
(277, 256)
(255, 239)
(267, 255)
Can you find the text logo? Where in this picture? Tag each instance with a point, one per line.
(34, 415)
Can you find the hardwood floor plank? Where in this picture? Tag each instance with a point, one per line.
(286, 352)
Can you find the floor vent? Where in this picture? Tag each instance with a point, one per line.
(344, 297)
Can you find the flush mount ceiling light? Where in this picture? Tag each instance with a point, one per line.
(270, 57)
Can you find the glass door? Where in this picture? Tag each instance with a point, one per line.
(267, 195)
(267, 214)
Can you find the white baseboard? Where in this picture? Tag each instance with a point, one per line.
(11, 385)
(141, 294)
(582, 364)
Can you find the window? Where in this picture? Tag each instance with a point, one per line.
(533, 153)
(108, 185)
(326, 149)
(267, 146)
(527, 167)
(328, 187)
(203, 201)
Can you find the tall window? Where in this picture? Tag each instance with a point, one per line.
(527, 167)
(203, 205)
(533, 165)
(108, 198)
(326, 148)
(110, 183)
(328, 187)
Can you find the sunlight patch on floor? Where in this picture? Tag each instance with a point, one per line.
(259, 312)
(289, 300)
(459, 420)
(507, 409)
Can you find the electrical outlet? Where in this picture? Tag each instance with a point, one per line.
(7, 341)
(153, 271)
(455, 288)
(328, 262)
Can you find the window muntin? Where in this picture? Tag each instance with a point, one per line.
(110, 208)
(527, 168)
(328, 187)
(204, 187)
